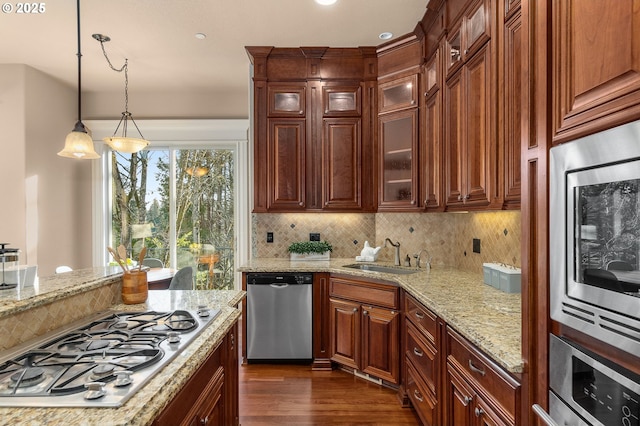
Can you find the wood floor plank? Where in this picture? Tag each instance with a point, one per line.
(296, 395)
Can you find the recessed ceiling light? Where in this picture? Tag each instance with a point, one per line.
(326, 2)
(201, 36)
(385, 36)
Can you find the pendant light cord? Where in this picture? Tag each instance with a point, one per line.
(124, 68)
(79, 68)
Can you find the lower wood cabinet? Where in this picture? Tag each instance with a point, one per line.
(477, 391)
(447, 380)
(210, 397)
(365, 327)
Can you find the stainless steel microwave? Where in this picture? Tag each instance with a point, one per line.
(594, 236)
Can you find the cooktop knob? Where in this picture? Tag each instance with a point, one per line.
(203, 311)
(123, 378)
(95, 390)
(173, 337)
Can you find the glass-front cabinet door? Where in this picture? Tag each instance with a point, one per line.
(286, 100)
(399, 139)
(398, 94)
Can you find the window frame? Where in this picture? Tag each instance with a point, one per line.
(231, 134)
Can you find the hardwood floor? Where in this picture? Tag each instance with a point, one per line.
(295, 395)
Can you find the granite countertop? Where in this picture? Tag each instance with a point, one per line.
(145, 405)
(56, 287)
(487, 317)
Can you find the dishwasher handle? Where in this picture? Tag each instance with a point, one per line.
(279, 286)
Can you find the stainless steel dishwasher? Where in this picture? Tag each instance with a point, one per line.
(279, 316)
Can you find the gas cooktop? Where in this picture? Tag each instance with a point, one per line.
(100, 363)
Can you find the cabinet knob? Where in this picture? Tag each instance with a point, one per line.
(460, 197)
(479, 411)
(355, 309)
(301, 204)
(466, 197)
(413, 102)
(365, 312)
(467, 400)
(204, 421)
(418, 395)
(413, 202)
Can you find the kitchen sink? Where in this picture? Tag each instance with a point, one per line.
(379, 268)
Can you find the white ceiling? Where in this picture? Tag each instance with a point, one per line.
(158, 38)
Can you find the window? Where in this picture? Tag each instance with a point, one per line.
(180, 199)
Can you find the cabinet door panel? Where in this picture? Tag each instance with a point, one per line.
(342, 172)
(345, 332)
(338, 100)
(513, 111)
(380, 341)
(422, 399)
(286, 175)
(454, 138)
(596, 66)
(398, 141)
(478, 125)
(398, 94)
(286, 100)
(432, 149)
(459, 398)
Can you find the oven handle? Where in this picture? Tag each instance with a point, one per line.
(543, 415)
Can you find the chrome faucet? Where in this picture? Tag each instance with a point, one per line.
(396, 261)
(428, 261)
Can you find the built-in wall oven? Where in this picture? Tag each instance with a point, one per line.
(594, 236)
(594, 254)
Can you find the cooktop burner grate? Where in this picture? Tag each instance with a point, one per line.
(137, 345)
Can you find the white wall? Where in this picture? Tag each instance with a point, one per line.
(49, 216)
(165, 105)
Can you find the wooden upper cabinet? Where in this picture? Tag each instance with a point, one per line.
(431, 136)
(398, 135)
(398, 94)
(470, 153)
(341, 100)
(596, 66)
(342, 168)
(513, 109)
(286, 100)
(286, 164)
(468, 35)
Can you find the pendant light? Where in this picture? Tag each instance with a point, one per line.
(122, 142)
(78, 143)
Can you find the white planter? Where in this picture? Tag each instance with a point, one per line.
(310, 256)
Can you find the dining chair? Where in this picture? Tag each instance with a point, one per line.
(152, 262)
(183, 279)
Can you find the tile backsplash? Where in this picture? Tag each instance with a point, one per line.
(448, 237)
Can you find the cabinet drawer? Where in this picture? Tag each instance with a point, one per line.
(423, 318)
(365, 292)
(423, 356)
(421, 398)
(496, 384)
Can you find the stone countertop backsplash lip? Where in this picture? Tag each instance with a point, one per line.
(488, 318)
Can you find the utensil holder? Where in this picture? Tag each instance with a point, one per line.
(135, 288)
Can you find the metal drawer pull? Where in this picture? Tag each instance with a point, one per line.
(417, 395)
(419, 315)
(365, 312)
(355, 309)
(476, 369)
(467, 400)
(543, 415)
(479, 411)
(418, 352)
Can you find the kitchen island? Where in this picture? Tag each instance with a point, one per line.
(101, 286)
(487, 317)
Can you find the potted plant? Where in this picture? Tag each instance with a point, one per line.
(310, 250)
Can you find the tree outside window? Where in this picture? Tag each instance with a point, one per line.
(204, 216)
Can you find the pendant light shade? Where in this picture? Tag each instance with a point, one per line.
(78, 143)
(122, 142)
